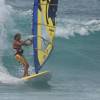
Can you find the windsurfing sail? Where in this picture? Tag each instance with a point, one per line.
(43, 30)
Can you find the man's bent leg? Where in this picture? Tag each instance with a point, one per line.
(26, 66)
(24, 62)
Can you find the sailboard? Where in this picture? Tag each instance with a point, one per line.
(43, 30)
(45, 75)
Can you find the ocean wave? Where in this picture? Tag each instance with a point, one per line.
(71, 27)
(5, 22)
(6, 78)
(65, 28)
(20, 4)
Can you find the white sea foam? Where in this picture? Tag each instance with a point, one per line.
(6, 78)
(70, 27)
(5, 11)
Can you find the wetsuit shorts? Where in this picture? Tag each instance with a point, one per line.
(20, 58)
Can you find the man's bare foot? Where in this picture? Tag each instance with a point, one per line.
(26, 75)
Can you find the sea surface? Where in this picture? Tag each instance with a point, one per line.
(74, 63)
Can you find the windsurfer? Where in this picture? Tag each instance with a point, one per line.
(17, 45)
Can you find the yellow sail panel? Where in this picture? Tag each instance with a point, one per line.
(50, 27)
(39, 35)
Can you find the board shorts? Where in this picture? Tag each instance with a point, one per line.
(21, 59)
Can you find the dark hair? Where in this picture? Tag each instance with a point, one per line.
(17, 35)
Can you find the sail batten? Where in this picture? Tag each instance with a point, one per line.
(43, 29)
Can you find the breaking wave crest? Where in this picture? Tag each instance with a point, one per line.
(71, 27)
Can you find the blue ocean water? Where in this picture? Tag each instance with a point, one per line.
(75, 62)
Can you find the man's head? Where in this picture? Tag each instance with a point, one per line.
(17, 36)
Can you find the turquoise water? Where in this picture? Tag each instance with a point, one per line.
(75, 62)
